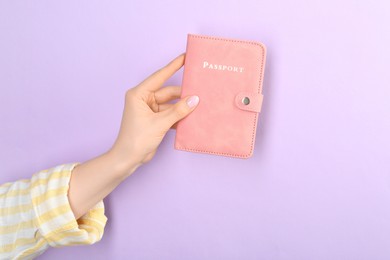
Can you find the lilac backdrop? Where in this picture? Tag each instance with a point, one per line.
(318, 185)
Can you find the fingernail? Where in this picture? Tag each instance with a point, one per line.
(193, 101)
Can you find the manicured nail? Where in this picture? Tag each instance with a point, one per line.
(193, 101)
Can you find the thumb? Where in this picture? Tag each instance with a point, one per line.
(181, 109)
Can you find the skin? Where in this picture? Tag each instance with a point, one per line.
(147, 117)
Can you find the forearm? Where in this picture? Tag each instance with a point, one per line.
(93, 180)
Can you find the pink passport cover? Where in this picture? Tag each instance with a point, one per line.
(225, 74)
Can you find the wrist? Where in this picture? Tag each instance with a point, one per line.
(123, 167)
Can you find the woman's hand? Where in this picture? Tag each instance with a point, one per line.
(148, 116)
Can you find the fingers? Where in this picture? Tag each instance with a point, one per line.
(164, 107)
(166, 94)
(157, 79)
(179, 110)
(163, 96)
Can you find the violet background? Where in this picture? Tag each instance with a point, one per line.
(318, 185)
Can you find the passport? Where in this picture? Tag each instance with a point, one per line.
(227, 75)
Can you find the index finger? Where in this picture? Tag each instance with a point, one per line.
(157, 79)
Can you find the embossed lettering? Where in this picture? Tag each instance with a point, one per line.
(207, 65)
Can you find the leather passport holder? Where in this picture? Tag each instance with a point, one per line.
(227, 75)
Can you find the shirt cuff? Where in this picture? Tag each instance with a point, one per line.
(54, 216)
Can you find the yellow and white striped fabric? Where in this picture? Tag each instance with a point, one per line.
(35, 214)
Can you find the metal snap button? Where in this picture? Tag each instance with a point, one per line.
(246, 101)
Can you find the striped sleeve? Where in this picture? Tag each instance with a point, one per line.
(36, 214)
